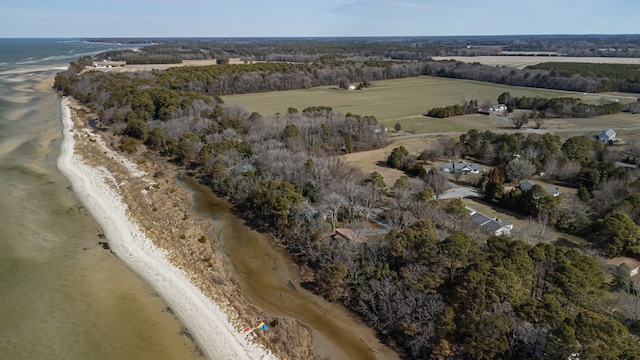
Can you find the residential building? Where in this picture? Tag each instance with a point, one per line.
(528, 184)
(490, 225)
(630, 265)
(607, 135)
(497, 107)
(461, 167)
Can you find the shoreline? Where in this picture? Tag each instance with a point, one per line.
(98, 190)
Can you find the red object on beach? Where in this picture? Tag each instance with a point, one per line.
(249, 329)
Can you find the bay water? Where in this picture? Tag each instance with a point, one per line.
(62, 295)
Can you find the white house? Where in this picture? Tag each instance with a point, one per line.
(607, 135)
(490, 225)
(497, 107)
(461, 167)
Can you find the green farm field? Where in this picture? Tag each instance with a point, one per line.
(405, 101)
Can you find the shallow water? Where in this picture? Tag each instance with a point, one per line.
(270, 281)
(62, 296)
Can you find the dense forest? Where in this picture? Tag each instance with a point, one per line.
(327, 60)
(434, 286)
(395, 48)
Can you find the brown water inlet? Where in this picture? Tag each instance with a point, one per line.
(269, 280)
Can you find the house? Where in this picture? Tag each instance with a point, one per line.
(461, 167)
(490, 225)
(528, 184)
(627, 166)
(380, 130)
(629, 264)
(347, 234)
(497, 107)
(607, 135)
(108, 64)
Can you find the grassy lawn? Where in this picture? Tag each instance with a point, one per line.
(389, 100)
(375, 160)
(405, 101)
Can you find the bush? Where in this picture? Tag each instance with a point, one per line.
(444, 112)
(129, 144)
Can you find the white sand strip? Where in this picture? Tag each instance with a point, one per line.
(209, 326)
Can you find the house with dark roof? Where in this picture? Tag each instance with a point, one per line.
(490, 225)
(461, 167)
(607, 135)
(528, 184)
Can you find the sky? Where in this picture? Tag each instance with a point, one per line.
(310, 18)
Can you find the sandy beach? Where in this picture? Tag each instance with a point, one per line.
(98, 190)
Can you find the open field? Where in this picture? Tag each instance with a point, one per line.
(521, 62)
(405, 101)
(375, 160)
(388, 100)
(149, 67)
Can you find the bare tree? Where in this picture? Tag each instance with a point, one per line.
(535, 231)
(569, 171)
(539, 122)
(520, 121)
(436, 181)
(609, 193)
(448, 146)
(531, 152)
(551, 166)
(519, 169)
(399, 213)
(343, 83)
(430, 155)
(332, 204)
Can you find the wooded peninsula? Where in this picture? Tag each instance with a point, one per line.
(412, 265)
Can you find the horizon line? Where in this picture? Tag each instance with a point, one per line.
(316, 36)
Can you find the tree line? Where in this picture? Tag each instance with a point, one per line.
(397, 47)
(620, 77)
(370, 60)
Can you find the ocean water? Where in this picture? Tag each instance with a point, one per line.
(62, 295)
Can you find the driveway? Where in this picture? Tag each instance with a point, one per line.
(459, 192)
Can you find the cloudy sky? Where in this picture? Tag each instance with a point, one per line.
(293, 18)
